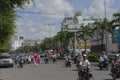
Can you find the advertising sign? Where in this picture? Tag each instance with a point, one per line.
(69, 20)
(85, 20)
(116, 36)
(73, 28)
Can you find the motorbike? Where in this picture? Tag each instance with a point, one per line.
(85, 74)
(77, 65)
(115, 71)
(46, 60)
(54, 60)
(68, 63)
(103, 64)
(21, 63)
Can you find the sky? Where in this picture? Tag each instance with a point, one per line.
(43, 18)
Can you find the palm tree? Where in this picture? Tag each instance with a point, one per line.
(85, 33)
(63, 37)
(116, 20)
(102, 27)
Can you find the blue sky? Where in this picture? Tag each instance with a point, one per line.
(52, 12)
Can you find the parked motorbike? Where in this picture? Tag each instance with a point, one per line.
(84, 74)
(115, 72)
(103, 64)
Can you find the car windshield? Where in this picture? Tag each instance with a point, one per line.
(5, 57)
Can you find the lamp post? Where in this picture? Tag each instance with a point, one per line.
(75, 43)
(106, 35)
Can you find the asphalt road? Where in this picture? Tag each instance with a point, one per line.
(51, 71)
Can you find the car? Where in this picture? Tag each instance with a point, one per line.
(6, 61)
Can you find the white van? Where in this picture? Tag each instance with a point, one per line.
(6, 60)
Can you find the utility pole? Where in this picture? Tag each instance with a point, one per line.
(75, 43)
(106, 35)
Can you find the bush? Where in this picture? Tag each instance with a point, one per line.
(93, 57)
(61, 56)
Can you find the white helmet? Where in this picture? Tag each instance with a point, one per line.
(84, 55)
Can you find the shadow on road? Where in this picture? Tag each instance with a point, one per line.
(100, 70)
(63, 66)
(4, 68)
(107, 79)
(74, 69)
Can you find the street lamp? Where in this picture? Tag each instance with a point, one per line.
(106, 35)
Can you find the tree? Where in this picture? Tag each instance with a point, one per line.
(7, 21)
(85, 33)
(116, 20)
(102, 28)
(63, 38)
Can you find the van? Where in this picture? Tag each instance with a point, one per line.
(6, 60)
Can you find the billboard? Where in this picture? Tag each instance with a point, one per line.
(98, 48)
(69, 20)
(116, 36)
(85, 20)
(73, 27)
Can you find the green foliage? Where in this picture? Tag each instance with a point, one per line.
(85, 34)
(102, 27)
(94, 57)
(61, 56)
(7, 21)
(7, 29)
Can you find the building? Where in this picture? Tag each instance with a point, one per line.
(72, 24)
(16, 42)
(29, 42)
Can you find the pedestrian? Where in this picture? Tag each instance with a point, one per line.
(36, 59)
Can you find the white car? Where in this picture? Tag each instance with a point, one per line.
(6, 61)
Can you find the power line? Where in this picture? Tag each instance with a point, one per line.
(43, 13)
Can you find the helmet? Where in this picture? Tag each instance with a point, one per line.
(103, 52)
(117, 55)
(84, 55)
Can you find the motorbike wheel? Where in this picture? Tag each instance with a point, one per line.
(100, 68)
(66, 65)
(114, 76)
(21, 65)
(107, 67)
(69, 64)
(87, 78)
(46, 61)
(54, 60)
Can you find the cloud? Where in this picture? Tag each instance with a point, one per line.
(35, 26)
(53, 8)
(97, 8)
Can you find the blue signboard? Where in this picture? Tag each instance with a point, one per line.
(116, 36)
(69, 20)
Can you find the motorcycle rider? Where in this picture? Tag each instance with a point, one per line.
(46, 58)
(115, 67)
(85, 62)
(68, 60)
(103, 58)
(83, 65)
(79, 59)
(54, 57)
(21, 60)
(115, 61)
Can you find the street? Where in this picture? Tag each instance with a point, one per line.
(51, 71)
